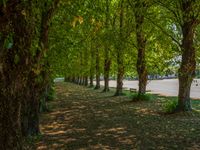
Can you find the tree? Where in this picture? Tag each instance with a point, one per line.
(97, 67)
(92, 64)
(140, 9)
(120, 51)
(15, 67)
(107, 61)
(38, 78)
(190, 20)
(185, 18)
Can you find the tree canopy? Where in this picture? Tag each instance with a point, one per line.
(85, 41)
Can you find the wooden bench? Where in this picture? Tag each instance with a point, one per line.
(148, 91)
(133, 90)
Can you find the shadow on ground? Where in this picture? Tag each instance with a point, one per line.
(83, 119)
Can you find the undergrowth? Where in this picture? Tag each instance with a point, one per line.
(170, 105)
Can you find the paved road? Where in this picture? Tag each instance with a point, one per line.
(168, 87)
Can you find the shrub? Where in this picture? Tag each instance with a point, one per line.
(170, 106)
(142, 97)
(51, 93)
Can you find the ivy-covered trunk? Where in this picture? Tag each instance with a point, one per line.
(14, 68)
(141, 43)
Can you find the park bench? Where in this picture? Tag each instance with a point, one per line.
(133, 90)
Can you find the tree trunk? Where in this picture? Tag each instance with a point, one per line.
(188, 64)
(120, 55)
(10, 122)
(106, 72)
(30, 114)
(77, 78)
(33, 119)
(43, 101)
(82, 80)
(107, 61)
(187, 69)
(86, 81)
(65, 79)
(91, 80)
(14, 70)
(35, 88)
(141, 62)
(92, 66)
(120, 75)
(97, 70)
(142, 72)
(73, 79)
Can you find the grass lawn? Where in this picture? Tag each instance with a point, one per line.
(81, 118)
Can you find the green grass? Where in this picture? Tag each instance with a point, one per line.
(170, 105)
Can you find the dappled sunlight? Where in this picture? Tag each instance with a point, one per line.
(124, 140)
(117, 130)
(194, 146)
(99, 146)
(83, 119)
(42, 147)
(145, 111)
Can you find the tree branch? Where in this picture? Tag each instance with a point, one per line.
(165, 32)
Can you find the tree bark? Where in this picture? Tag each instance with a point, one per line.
(107, 61)
(86, 81)
(14, 69)
(10, 122)
(30, 113)
(33, 119)
(82, 80)
(120, 75)
(97, 70)
(36, 89)
(188, 64)
(106, 71)
(141, 62)
(120, 55)
(91, 80)
(92, 66)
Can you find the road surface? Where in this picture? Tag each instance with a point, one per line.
(168, 87)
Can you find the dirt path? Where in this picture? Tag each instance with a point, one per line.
(84, 119)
